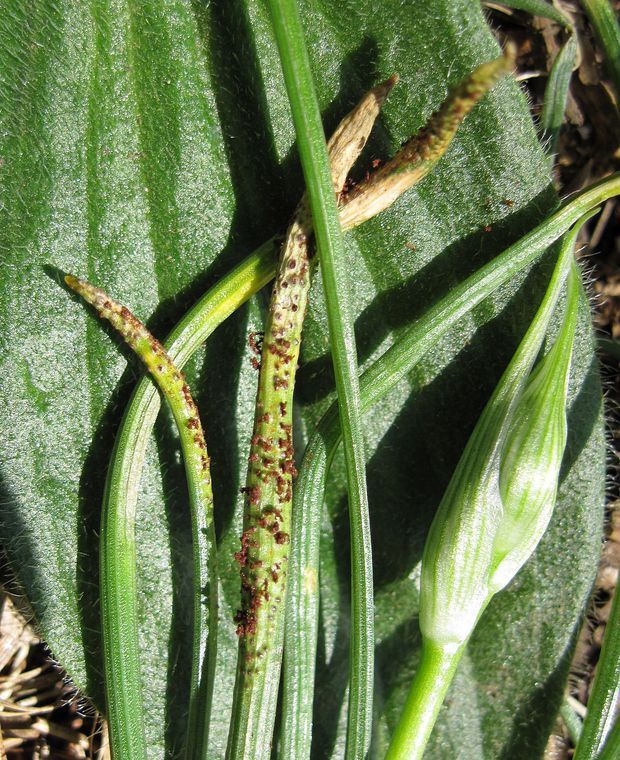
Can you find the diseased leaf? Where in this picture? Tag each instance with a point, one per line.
(148, 146)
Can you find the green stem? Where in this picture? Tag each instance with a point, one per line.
(303, 591)
(556, 91)
(119, 596)
(572, 721)
(605, 695)
(426, 695)
(329, 239)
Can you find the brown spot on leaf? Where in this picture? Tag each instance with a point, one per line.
(242, 555)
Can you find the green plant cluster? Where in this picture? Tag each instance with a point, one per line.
(145, 146)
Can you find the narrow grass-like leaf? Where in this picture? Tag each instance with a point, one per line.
(538, 8)
(598, 725)
(611, 748)
(556, 91)
(328, 234)
(303, 598)
(556, 94)
(603, 18)
(126, 723)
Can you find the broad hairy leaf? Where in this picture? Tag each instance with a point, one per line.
(148, 146)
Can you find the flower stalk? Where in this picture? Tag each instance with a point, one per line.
(497, 506)
(174, 388)
(263, 555)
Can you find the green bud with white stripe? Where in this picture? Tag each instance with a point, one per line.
(533, 452)
(503, 491)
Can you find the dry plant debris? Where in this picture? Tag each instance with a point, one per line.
(41, 715)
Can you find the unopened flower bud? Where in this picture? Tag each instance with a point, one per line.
(532, 454)
(502, 494)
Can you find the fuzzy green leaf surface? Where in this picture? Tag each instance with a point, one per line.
(149, 147)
